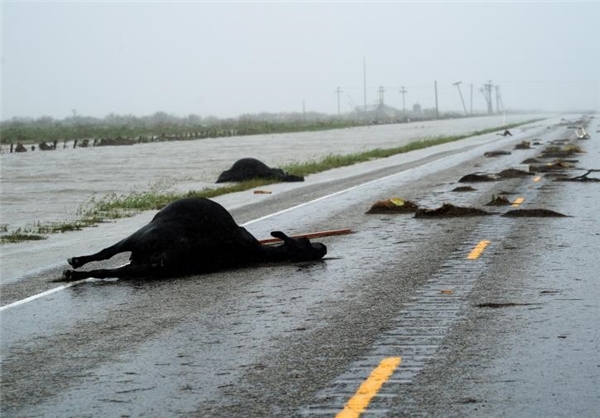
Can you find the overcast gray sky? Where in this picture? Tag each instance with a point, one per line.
(229, 58)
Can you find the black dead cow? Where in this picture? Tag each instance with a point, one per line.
(193, 236)
(251, 168)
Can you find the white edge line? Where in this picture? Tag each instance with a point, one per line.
(39, 295)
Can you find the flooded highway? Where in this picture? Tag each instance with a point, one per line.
(511, 331)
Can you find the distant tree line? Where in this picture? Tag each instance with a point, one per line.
(160, 124)
(163, 126)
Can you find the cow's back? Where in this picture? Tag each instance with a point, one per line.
(212, 237)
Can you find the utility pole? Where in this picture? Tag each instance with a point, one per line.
(338, 91)
(471, 99)
(403, 92)
(437, 112)
(487, 93)
(365, 82)
(381, 92)
(457, 84)
(498, 108)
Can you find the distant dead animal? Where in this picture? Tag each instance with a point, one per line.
(505, 133)
(45, 147)
(251, 168)
(20, 148)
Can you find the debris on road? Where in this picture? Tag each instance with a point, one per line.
(553, 166)
(448, 210)
(512, 173)
(309, 235)
(498, 201)
(582, 178)
(557, 152)
(496, 153)
(474, 178)
(393, 205)
(533, 213)
(523, 145)
(464, 189)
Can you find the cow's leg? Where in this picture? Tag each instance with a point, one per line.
(105, 254)
(127, 271)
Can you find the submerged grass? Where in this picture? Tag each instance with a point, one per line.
(94, 212)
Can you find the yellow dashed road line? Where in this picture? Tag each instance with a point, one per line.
(369, 388)
(518, 201)
(473, 255)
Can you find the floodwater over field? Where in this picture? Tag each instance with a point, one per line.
(50, 186)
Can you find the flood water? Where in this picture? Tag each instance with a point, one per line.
(50, 186)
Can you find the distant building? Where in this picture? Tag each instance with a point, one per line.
(417, 108)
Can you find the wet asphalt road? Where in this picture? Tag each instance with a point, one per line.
(298, 340)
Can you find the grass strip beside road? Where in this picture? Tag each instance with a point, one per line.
(96, 211)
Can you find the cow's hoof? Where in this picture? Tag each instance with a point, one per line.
(74, 262)
(67, 276)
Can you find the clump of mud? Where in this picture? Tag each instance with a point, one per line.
(561, 152)
(523, 145)
(464, 189)
(476, 178)
(533, 213)
(557, 165)
(393, 205)
(512, 173)
(531, 161)
(448, 210)
(496, 153)
(498, 201)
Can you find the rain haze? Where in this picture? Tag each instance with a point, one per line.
(227, 59)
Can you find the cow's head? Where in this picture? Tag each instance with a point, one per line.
(296, 249)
